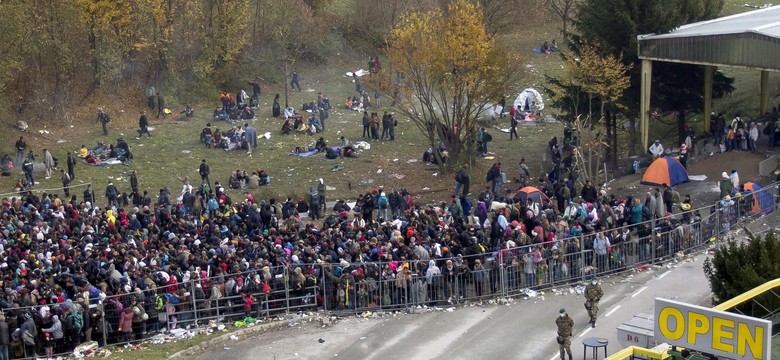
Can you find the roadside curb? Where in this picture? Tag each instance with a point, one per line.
(225, 338)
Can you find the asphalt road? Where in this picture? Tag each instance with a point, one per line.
(519, 329)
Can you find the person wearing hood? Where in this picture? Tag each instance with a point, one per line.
(725, 185)
(433, 276)
(382, 204)
(450, 273)
(56, 333)
(322, 188)
(125, 325)
(29, 336)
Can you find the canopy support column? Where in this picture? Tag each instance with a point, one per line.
(709, 70)
(644, 103)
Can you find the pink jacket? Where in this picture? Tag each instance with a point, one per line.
(126, 320)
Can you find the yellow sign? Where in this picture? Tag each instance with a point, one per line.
(711, 331)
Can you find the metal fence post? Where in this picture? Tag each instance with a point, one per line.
(717, 223)
(324, 289)
(286, 278)
(501, 275)
(194, 302)
(105, 326)
(583, 256)
(653, 240)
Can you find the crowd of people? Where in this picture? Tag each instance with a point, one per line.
(79, 264)
(74, 270)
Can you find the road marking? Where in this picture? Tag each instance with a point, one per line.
(585, 331)
(664, 274)
(612, 311)
(639, 291)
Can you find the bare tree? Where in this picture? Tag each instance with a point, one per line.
(565, 10)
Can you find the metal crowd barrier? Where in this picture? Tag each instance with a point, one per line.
(407, 285)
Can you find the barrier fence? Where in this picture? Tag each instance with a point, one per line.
(383, 286)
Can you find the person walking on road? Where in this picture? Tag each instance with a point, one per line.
(593, 294)
(565, 325)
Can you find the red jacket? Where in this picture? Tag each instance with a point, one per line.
(126, 320)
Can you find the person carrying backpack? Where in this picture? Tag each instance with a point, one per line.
(382, 203)
(314, 200)
(462, 180)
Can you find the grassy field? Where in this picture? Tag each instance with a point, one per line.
(175, 150)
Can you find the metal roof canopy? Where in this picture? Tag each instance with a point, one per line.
(748, 40)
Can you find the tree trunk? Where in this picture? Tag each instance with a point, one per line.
(680, 129)
(92, 38)
(286, 71)
(607, 114)
(614, 141)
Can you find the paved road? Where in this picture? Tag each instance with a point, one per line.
(519, 330)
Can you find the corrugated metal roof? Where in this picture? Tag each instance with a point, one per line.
(749, 40)
(763, 21)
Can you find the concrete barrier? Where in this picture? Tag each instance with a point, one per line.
(768, 166)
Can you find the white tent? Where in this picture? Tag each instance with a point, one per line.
(529, 100)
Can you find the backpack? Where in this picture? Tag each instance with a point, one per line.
(383, 204)
(675, 196)
(315, 199)
(159, 304)
(487, 137)
(78, 321)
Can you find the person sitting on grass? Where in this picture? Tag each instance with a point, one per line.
(287, 128)
(320, 145)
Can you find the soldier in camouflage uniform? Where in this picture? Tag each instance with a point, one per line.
(593, 294)
(565, 325)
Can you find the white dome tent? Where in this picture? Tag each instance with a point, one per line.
(529, 100)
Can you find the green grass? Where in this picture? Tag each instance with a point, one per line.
(160, 351)
(175, 150)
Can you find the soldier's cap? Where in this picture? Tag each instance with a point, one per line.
(561, 311)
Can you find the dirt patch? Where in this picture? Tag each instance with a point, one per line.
(702, 192)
